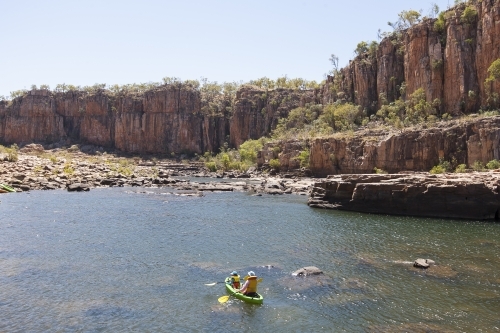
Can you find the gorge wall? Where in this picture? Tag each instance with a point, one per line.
(164, 120)
(451, 65)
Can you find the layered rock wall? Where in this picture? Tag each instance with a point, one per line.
(160, 121)
(257, 111)
(458, 142)
(473, 196)
(450, 65)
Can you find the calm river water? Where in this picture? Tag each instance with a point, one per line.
(136, 260)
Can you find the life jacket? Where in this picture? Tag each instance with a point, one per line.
(235, 278)
(252, 284)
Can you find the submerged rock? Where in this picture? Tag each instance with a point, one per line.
(306, 271)
(421, 263)
(78, 187)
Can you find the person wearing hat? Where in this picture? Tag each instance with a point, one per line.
(250, 286)
(235, 280)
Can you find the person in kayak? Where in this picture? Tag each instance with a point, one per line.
(250, 286)
(235, 280)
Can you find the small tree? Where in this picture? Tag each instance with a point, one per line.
(303, 158)
(275, 164)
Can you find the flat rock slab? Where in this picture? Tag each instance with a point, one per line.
(78, 187)
(306, 271)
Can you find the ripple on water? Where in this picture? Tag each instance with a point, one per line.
(121, 259)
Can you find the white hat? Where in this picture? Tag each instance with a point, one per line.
(251, 273)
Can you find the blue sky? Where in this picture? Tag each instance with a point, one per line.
(120, 42)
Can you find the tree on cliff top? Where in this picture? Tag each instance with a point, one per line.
(406, 19)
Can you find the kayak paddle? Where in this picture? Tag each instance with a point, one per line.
(224, 299)
(212, 284)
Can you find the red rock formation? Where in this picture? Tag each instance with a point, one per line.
(390, 70)
(451, 66)
(461, 88)
(488, 43)
(169, 121)
(256, 111)
(423, 52)
(458, 142)
(43, 125)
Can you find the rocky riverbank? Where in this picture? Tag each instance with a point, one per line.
(467, 196)
(71, 169)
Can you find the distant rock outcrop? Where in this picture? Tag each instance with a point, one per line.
(466, 196)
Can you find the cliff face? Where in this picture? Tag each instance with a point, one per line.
(163, 120)
(167, 120)
(412, 150)
(416, 150)
(451, 66)
(488, 42)
(43, 125)
(256, 111)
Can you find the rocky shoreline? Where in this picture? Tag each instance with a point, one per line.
(71, 169)
(472, 196)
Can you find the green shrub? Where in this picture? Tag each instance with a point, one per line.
(494, 71)
(303, 157)
(275, 164)
(68, 169)
(461, 168)
(440, 23)
(469, 15)
(437, 169)
(493, 164)
(248, 150)
(379, 171)
(225, 161)
(12, 155)
(418, 109)
(446, 116)
(442, 167)
(125, 170)
(478, 166)
(393, 113)
(235, 165)
(211, 166)
(342, 117)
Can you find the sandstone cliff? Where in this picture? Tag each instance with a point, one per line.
(450, 65)
(417, 149)
(168, 119)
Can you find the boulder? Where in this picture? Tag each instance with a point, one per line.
(78, 187)
(19, 176)
(421, 263)
(306, 271)
(32, 148)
